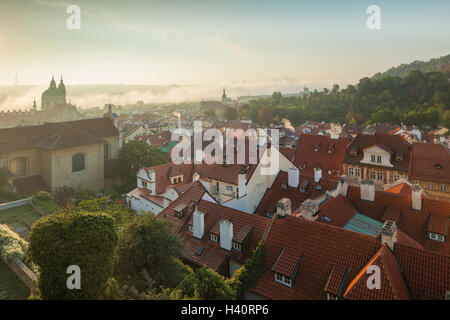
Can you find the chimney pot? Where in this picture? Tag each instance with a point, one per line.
(293, 177)
(389, 234)
(226, 235)
(284, 207)
(416, 197)
(199, 223)
(367, 188)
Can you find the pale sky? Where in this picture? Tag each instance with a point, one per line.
(193, 42)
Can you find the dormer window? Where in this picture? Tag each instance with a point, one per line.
(353, 151)
(437, 166)
(316, 147)
(237, 246)
(436, 237)
(330, 148)
(191, 228)
(283, 280)
(399, 156)
(214, 237)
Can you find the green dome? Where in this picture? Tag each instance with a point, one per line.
(51, 92)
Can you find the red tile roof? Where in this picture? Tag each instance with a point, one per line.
(322, 246)
(433, 217)
(426, 273)
(334, 260)
(392, 284)
(430, 162)
(245, 226)
(55, 136)
(308, 159)
(280, 190)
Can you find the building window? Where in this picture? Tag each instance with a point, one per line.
(443, 187)
(191, 228)
(214, 237)
(350, 171)
(437, 237)
(144, 184)
(372, 158)
(283, 279)
(237, 246)
(378, 159)
(107, 151)
(380, 175)
(78, 162)
(397, 177)
(331, 297)
(229, 188)
(357, 172)
(430, 186)
(372, 174)
(19, 167)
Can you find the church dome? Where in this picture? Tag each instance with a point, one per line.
(52, 91)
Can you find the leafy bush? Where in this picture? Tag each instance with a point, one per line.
(11, 244)
(43, 196)
(64, 195)
(70, 238)
(147, 243)
(205, 284)
(248, 275)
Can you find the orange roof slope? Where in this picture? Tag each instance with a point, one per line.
(392, 285)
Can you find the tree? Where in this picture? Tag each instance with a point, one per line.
(265, 115)
(248, 275)
(133, 156)
(230, 114)
(206, 284)
(73, 237)
(146, 244)
(209, 114)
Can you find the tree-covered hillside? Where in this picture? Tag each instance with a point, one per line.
(418, 99)
(437, 64)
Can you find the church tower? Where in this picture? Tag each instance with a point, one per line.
(53, 96)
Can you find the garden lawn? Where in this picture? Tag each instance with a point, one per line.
(11, 288)
(20, 219)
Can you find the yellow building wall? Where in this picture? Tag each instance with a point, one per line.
(92, 177)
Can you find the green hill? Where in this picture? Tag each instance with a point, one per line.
(437, 64)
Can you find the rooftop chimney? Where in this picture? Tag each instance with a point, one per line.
(343, 181)
(389, 234)
(317, 174)
(284, 207)
(416, 197)
(309, 208)
(226, 235)
(293, 177)
(195, 177)
(199, 224)
(242, 180)
(367, 188)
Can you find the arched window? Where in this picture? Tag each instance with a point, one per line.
(78, 162)
(107, 151)
(19, 167)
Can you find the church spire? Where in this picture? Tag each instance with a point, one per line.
(61, 86)
(53, 83)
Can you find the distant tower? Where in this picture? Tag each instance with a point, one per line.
(34, 105)
(224, 97)
(53, 96)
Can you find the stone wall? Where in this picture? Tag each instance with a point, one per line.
(25, 274)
